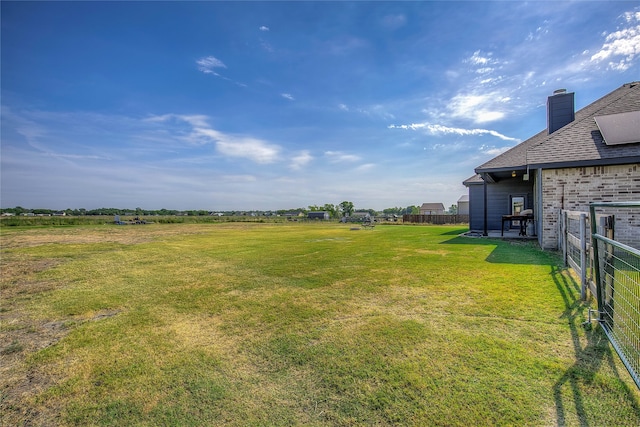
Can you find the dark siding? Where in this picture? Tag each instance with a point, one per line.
(498, 201)
(476, 202)
(560, 111)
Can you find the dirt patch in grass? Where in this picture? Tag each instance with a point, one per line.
(22, 335)
(21, 383)
(80, 235)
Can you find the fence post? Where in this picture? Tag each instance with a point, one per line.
(583, 255)
(596, 260)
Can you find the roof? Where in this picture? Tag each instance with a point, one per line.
(432, 206)
(580, 143)
(463, 198)
(473, 180)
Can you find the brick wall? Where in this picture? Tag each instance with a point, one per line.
(574, 188)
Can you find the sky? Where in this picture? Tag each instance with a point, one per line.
(276, 105)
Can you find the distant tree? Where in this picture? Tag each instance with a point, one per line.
(332, 209)
(393, 211)
(412, 210)
(314, 208)
(453, 210)
(346, 208)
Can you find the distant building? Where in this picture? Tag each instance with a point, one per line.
(293, 215)
(432, 209)
(463, 205)
(322, 215)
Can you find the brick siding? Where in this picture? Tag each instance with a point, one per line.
(574, 188)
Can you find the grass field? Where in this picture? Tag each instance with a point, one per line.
(297, 324)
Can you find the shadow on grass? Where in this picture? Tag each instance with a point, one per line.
(507, 251)
(589, 359)
(456, 232)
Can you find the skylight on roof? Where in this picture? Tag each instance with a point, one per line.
(621, 128)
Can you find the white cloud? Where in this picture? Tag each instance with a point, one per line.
(193, 120)
(444, 130)
(481, 108)
(208, 64)
(621, 47)
(264, 28)
(365, 167)
(339, 157)
(493, 151)
(478, 59)
(540, 32)
(247, 147)
(287, 96)
(300, 160)
(483, 116)
(252, 149)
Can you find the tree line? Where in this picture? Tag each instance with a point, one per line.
(345, 208)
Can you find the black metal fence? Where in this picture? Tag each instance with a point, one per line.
(617, 280)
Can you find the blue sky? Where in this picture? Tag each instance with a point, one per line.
(276, 105)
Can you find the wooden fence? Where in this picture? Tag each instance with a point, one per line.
(436, 219)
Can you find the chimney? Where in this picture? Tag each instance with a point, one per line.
(560, 110)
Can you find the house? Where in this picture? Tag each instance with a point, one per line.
(360, 216)
(432, 209)
(463, 205)
(318, 215)
(293, 215)
(582, 156)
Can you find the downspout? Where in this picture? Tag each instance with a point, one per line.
(539, 208)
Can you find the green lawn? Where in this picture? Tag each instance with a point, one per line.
(297, 324)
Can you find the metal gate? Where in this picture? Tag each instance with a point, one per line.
(575, 247)
(617, 279)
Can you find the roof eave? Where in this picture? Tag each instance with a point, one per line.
(586, 163)
(518, 168)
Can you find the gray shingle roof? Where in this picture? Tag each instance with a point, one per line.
(475, 179)
(432, 206)
(579, 143)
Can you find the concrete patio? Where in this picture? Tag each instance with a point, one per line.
(511, 234)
